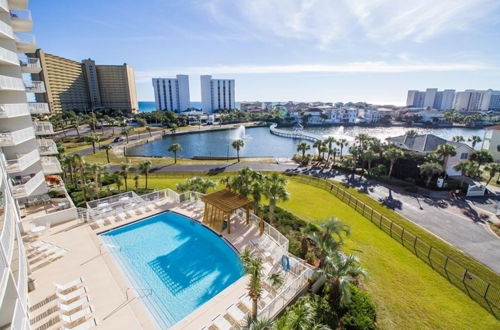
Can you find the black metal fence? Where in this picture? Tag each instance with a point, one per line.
(476, 288)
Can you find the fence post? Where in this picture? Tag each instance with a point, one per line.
(390, 229)
(363, 211)
(402, 236)
(415, 245)
(429, 257)
(356, 205)
(371, 216)
(349, 202)
(380, 221)
(446, 266)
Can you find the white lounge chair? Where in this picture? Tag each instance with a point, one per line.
(236, 314)
(72, 295)
(82, 326)
(56, 255)
(76, 316)
(35, 245)
(221, 323)
(68, 285)
(66, 308)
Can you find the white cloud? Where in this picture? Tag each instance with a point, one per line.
(324, 21)
(353, 67)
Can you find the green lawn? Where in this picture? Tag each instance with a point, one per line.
(407, 292)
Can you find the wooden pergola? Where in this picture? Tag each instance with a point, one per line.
(220, 205)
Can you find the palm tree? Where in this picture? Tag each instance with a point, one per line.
(148, 128)
(117, 179)
(257, 190)
(144, 167)
(429, 169)
(458, 138)
(107, 148)
(412, 133)
(126, 131)
(362, 139)
(393, 154)
(136, 181)
(481, 157)
(463, 167)
(492, 170)
(299, 316)
(303, 147)
(254, 323)
(329, 141)
(175, 148)
(92, 138)
(369, 156)
(238, 144)
(342, 143)
(275, 188)
(323, 149)
(124, 173)
(79, 164)
(318, 144)
(474, 140)
(445, 151)
(334, 153)
(254, 268)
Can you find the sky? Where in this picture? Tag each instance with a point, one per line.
(281, 50)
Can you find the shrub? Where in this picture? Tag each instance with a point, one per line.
(56, 194)
(360, 313)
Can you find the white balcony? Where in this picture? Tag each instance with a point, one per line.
(51, 165)
(6, 31)
(31, 65)
(14, 138)
(47, 147)
(12, 110)
(21, 20)
(35, 86)
(11, 84)
(18, 4)
(43, 128)
(23, 186)
(38, 108)
(26, 43)
(22, 162)
(8, 57)
(4, 6)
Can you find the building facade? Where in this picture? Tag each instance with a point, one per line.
(172, 93)
(432, 98)
(216, 94)
(491, 141)
(82, 86)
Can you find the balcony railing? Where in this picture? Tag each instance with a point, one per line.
(4, 6)
(22, 162)
(6, 30)
(6, 238)
(35, 86)
(22, 281)
(38, 108)
(43, 128)
(21, 20)
(47, 147)
(13, 138)
(13, 110)
(26, 43)
(30, 65)
(10, 83)
(25, 185)
(51, 165)
(20, 317)
(8, 56)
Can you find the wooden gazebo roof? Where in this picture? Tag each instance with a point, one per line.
(226, 200)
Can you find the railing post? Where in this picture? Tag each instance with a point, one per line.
(429, 257)
(415, 245)
(371, 216)
(402, 236)
(390, 229)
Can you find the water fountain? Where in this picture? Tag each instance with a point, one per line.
(241, 132)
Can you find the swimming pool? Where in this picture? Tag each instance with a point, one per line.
(175, 263)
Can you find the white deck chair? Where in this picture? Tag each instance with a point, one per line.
(76, 316)
(78, 303)
(72, 295)
(35, 245)
(57, 255)
(68, 285)
(45, 252)
(221, 323)
(236, 314)
(82, 326)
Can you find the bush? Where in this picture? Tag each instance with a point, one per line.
(360, 313)
(56, 194)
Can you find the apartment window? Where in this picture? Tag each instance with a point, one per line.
(464, 155)
(224, 93)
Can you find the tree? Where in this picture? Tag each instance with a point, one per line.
(463, 167)
(275, 188)
(254, 323)
(144, 167)
(445, 151)
(148, 128)
(323, 150)
(197, 184)
(474, 140)
(92, 138)
(237, 145)
(481, 157)
(303, 147)
(392, 155)
(429, 169)
(369, 156)
(173, 128)
(329, 141)
(136, 181)
(126, 131)
(342, 143)
(107, 148)
(254, 269)
(412, 133)
(458, 138)
(125, 169)
(492, 169)
(325, 239)
(175, 148)
(141, 122)
(257, 190)
(318, 144)
(117, 179)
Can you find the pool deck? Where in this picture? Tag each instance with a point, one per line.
(115, 304)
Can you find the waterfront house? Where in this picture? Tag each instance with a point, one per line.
(491, 141)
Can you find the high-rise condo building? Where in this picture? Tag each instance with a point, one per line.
(477, 100)
(216, 94)
(81, 86)
(431, 97)
(172, 93)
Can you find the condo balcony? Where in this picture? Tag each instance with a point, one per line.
(23, 186)
(22, 162)
(21, 20)
(18, 4)
(12, 110)
(26, 43)
(13, 138)
(51, 165)
(43, 128)
(35, 87)
(8, 57)
(38, 108)
(47, 147)
(11, 84)
(30, 65)
(6, 31)
(3, 6)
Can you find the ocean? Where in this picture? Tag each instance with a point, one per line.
(148, 106)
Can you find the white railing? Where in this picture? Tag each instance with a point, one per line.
(43, 128)
(23, 190)
(22, 161)
(16, 137)
(3, 5)
(47, 147)
(10, 83)
(6, 238)
(20, 14)
(22, 280)
(51, 165)
(8, 56)
(8, 110)
(269, 230)
(38, 108)
(19, 319)
(32, 63)
(25, 42)
(293, 134)
(35, 86)
(6, 29)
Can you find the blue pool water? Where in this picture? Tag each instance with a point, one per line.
(175, 263)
